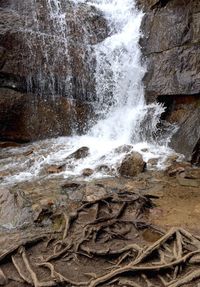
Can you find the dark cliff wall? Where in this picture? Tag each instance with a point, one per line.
(46, 69)
(171, 49)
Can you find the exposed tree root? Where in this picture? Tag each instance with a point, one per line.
(3, 278)
(91, 241)
(25, 278)
(58, 254)
(59, 277)
(35, 281)
(133, 269)
(28, 240)
(103, 252)
(186, 279)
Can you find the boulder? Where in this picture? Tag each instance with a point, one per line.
(132, 165)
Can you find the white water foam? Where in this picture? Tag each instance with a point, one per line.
(124, 117)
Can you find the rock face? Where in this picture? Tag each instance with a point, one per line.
(34, 85)
(24, 118)
(171, 48)
(132, 165)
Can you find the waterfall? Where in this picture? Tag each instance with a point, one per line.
(123, 117)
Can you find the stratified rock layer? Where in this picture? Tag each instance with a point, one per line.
(46, 59)
(171, 48)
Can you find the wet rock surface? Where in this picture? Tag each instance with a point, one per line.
(87, 172)
(80, 153)
(34, 87)
(170, 47)
(132, 165)
(24, 118)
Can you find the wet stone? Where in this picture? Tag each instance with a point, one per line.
(132, 165)
(152, 162)
(171, 159)
(79, 153)
(103, 168)
(94, 192)
(177, 168)
(56, 168)
(123, 148)
(87, 172)
(193, 173)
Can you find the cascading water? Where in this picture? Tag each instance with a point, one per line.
(123, 117)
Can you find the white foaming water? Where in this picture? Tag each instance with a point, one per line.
(124, 118)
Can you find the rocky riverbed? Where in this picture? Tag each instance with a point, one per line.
(116, 230)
